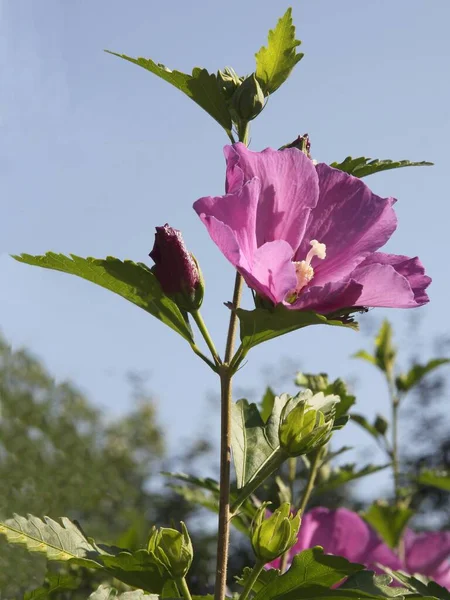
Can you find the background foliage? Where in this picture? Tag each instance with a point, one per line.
(59, 455)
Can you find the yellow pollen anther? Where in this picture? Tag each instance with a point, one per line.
(303, 268)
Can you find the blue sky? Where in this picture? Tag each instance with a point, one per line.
(95, 152)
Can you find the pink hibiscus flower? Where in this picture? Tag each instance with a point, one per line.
(307, 235)
(343, 533)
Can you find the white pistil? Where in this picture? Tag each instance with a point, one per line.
(317, 249)
(303, 268)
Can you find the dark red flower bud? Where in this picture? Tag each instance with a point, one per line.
(176, 269)
(302, 143)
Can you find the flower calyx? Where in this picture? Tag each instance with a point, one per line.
(172, 550)
(276, 534)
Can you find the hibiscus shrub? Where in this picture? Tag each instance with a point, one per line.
(305, 238)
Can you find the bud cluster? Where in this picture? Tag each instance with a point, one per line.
(306, 423)
(172, 550)
(275, 535)
(244, 94)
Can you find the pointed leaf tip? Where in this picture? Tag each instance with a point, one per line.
(275, 61)
(201, 86)
(362, 166)
(133, 281)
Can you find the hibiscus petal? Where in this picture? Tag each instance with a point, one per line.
(426, 552)
(341, 532)
(330, 297)
(442, 575)
(289, 189)
(383, 555)
(350, 220)
(230, 221)
(272, 272)
(391, 281)
(410, 268)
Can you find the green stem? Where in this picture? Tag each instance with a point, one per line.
(292, 475)
(237, 358)
(181, 582)
(395, 400)
(259, 566)
(273, 463)
(232, 327)
(226, 375)
(205, 333)
(199, 353)
(313, 470)
(231, 137)
(243, 130)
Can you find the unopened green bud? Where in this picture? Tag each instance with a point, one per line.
(315, 383)
(248, 99)
(306, 424)
(172, 550)
(381, 425)
(229, 81)
(273, 536)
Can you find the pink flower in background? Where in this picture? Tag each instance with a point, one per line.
(307, 235)
(427, 553)
(343, 533)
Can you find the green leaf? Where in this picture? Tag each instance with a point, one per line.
(376, 585)
(361, 167)
(257, 451)
(437, 479)
(384, 352)
(205, 492)
(201, 87)
(264, 578)
(54, 582)
(315, 383)
(64, 542)
(284, 492)
(106, 592)
(417, 372)
(133, 281)
(261, 324)
(364, 355)
(312, 592)
(388, 521)
(206, 483)
(196, 496)
(137, 569)
(345, 474)
(275, 62)
(364, 423)
(309, 568)
(267, 404)
(331, 455)
(249, 442)
(320, 383)
(339, 388)
(427, 590)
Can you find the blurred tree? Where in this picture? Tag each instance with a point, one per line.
(60, 456)
(427, 422)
